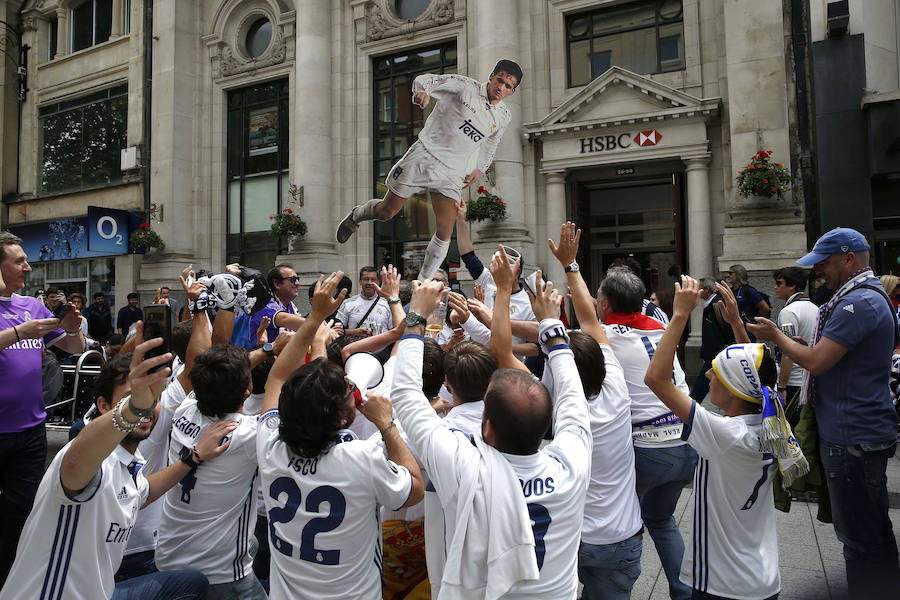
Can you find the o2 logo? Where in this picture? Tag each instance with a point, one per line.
(105, 223)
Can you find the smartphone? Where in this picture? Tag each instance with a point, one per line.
(789, 329)
(158, 323)
(65, 310)
(744, 316)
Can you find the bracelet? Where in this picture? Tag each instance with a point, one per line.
(119, 408)
(386, 429)
(16, 331)
(141, 412)
(121, 423)
(73, 333)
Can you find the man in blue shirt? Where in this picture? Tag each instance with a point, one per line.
(850, 361)
(128, 314)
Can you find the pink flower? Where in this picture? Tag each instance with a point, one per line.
(765, 181)
(288, 210)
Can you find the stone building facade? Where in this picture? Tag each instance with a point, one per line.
(633, 118)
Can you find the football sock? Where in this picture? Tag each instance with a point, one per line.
(434, 256)
(366, 212)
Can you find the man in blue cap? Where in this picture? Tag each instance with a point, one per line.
(849, 361)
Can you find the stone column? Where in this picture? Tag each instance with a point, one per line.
(311, 144)
(117, 29)
(700, 253)
(498, 37)
(555, 188)
(62, 31)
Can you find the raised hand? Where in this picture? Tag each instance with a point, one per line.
(545, 304)
(764, 329)
(282, 340)
(687, 296)
(323, 301)
(504, 274)
(262, 336)
(729, 307)
(426, 295)
(146, 386)
(390, 282)
(478, 293)
(378, 410)
(459, 308)
(481, 311)
(72, 321)
(567, 250)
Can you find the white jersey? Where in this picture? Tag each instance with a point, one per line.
(612, 512)
(210, 515)
(324, 523)
(634, 343)
(732, 549)
(804, 315)
(353, 310)
(463, 122)
(553, 480)
(71, 546)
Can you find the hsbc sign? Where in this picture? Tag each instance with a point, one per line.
(605, 143)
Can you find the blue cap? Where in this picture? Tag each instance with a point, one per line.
(839, 240)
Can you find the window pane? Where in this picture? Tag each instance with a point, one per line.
(629, 16)
(235, 146)
(104, 21)
(234, 207)
(51, 38)
(105, 128)
(671, 47)
(579, 27)
(60, 151)
(410, 9)
(258, 37)
(579, 63)
(633, 50)
(261, 140)
(260, 202)
(82, 26)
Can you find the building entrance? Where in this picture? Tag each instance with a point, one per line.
(638, 218)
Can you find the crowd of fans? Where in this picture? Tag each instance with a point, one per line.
(411, 442)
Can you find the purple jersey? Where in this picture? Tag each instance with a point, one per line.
(22, 402)
(271, 309)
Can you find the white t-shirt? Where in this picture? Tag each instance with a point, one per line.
(209, 516)
(462, 123)
(732, 549)
(71, 546)
(324, 517)
(554, 480)
(634, 346)
(352, 310)
(804, 315)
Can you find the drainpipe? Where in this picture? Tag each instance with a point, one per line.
(147, 93)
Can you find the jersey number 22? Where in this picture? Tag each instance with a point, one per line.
(326, 493)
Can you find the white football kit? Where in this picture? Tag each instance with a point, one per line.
(324, 514)
(804, 315)
(209, 517)
(352, 311)
(553, 481)
(71, 546)
(732, 549)
(653, 424)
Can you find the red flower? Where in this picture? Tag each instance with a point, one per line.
(501, 202)
(482, 189)
(288, 210)
(758, 191)
(145, 225)
(765, 181)
(271, 217)
(774, 189)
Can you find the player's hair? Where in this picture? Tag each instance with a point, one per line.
(589, 361)
(220, 377)
(181, 337)
(368, 269)
(274, 275)
(519, 409)
(793, 276)
(312, 405)
(469, 367)
(8, 239)
(741, 273)
(113, 374)
(510, 68)
(623, 290)
(432, 368)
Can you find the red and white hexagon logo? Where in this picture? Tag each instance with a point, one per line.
(648, 138)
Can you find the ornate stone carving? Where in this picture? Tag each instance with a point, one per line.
(233, 63)
(382, 22)
(30, 24)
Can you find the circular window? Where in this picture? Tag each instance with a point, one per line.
(258, 37)
(410, 9)
(579, 27)
(670, 9)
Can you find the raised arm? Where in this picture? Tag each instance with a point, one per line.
(818, 359)
(501, 334)
(389, 289)
(731, 313)
(323, 304)
(201, 339)
(659, 374)
(582, 300)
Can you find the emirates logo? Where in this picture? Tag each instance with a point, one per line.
(648, 138)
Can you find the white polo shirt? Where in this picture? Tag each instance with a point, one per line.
(71, 546)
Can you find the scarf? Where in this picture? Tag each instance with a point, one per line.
(856, 280)
(737, 367)
(635, 320)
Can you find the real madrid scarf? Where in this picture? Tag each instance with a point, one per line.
(737, 367)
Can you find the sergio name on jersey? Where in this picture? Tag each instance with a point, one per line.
(324, 514)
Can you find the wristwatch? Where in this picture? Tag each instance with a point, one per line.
(190, 457)
(413, 318)
(394, 300)
(573, 268)
(269, 349)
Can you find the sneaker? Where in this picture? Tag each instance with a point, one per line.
(347, 228)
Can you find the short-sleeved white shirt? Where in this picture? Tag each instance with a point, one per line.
(71, 546)
(209, 516)
(732, 549)
(324, 515)
(353, 309)
(804, 315)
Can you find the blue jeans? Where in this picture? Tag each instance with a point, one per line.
(22, 455)
(857, 484)
(262, 557)
(608, 572)
(662, 474)
(163, 585)
(136, 565)
(247, 588)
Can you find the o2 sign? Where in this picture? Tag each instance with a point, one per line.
(108, 230)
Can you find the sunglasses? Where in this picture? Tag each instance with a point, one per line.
(293, 278)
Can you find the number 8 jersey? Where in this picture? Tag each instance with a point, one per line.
(324, 514)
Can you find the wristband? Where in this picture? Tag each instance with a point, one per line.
(551, 329)
(141, 412)
(16, 331)
(386, 429)
(72, 333)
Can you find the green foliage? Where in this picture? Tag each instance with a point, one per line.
(762, 177)
(287, 223)
(486, 206)
(145, 238)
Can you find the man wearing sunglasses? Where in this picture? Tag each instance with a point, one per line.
(282, 314)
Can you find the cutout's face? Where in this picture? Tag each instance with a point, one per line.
(500, 85)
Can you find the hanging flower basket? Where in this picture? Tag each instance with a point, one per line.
(144, 239)
(486, 206)
(762, 178)
(287, 223)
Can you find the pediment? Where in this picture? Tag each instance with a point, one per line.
(620, 95)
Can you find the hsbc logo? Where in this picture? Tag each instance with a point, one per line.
(647, 138)
(605, 143)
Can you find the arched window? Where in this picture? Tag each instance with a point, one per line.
(258, 37)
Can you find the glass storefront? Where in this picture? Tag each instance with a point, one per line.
(83, 276)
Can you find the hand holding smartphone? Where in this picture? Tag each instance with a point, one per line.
(158, 323)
